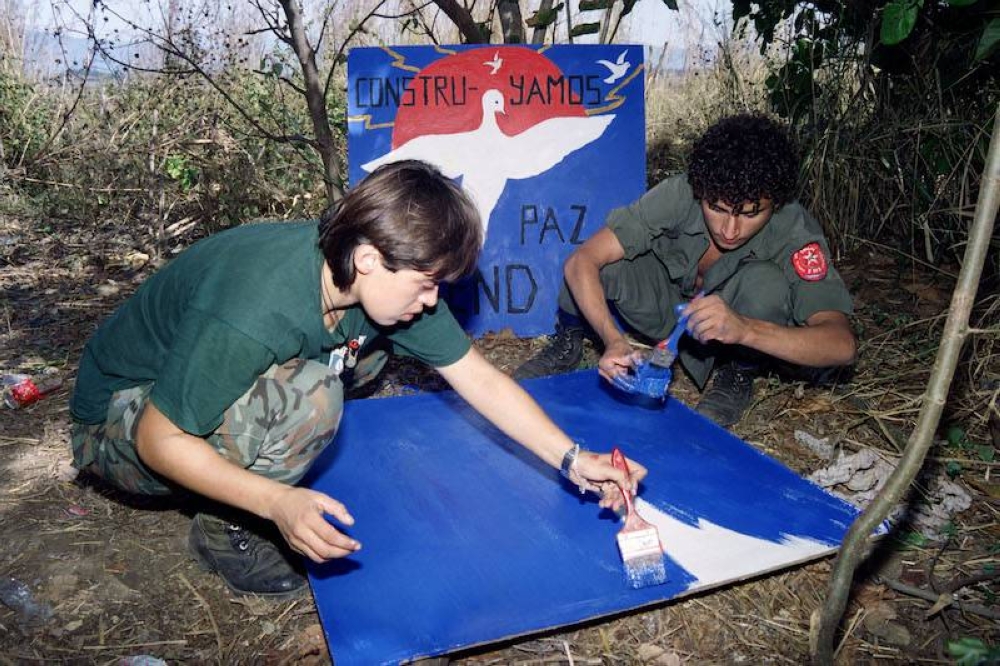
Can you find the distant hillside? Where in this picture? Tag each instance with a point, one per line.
(47, 56)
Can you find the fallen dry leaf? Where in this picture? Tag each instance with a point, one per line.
(880, 622)
(926, 292)
(943, 601)
(649, 652)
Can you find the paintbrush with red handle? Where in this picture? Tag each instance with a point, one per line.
(638, 541)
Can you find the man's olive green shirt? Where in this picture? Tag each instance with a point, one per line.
(669, 222)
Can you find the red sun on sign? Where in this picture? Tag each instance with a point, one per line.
(446, 96)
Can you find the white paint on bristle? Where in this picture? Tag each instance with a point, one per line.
(646, 571)
(713, 554)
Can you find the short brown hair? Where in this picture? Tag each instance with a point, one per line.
(414, 216)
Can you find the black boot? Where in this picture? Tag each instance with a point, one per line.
(729, 395)
(247, 563)
(562, 354)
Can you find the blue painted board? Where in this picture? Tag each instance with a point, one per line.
(469, 539)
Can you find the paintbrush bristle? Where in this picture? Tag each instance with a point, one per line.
(638, 541)
(642, 554)
(646, 572)
(662, 357)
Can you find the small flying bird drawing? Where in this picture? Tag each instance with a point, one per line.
(618, 68)
(494, 64)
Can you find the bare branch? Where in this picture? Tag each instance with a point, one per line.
(284, 79)
(291, 31)
(261, 31)
(428, 29)
(396, 17)
(462, 19)
(196, 69)
(327, 15)
(343, 45)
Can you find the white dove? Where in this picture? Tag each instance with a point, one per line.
(486, 158)
(618, 68)
(494, 64)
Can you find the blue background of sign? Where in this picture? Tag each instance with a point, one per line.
(521, 263)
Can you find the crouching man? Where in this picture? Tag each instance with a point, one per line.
(727, 238)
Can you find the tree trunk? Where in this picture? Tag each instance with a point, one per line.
(538, 35)
(461, 17)
(170, 61)
(511, 22)
(315, 100)
(569, 24)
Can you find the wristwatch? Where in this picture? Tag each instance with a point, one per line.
(569, 461)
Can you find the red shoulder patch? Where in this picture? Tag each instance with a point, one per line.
(810, 263)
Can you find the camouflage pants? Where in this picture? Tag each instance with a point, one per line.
(276, 429)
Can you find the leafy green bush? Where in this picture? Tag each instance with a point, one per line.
(973, 652)
(169, 152)
(25, 116)
(893, 111)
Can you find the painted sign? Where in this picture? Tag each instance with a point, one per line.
(467, 538)
(547, 140)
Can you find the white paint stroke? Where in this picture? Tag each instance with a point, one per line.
(714, 554)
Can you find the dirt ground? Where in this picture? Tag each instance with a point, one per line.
(90, 576)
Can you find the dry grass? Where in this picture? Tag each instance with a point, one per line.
(680, 106)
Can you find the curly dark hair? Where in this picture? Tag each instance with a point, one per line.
(744, 158)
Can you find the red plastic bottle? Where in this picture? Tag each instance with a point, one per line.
(21, 390)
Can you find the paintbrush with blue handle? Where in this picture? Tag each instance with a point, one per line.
(665, 352)
(651, 376)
